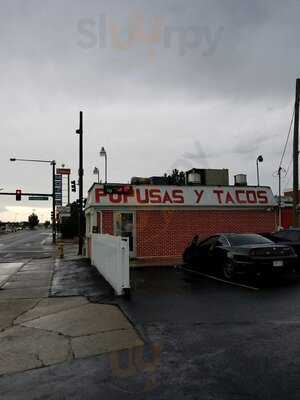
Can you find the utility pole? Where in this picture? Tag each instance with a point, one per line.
(279, 198)
(68, 189)
(53, 163)
(80, 183)
(296, 158)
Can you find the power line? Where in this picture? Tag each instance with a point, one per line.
(287, 139)
(289, 166)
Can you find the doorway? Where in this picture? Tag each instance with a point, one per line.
(124, 227)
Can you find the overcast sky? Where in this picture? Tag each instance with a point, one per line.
(162, 84)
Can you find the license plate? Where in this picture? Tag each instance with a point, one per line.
(277, 263)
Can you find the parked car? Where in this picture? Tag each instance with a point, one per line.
(234, 254)
(290, 237)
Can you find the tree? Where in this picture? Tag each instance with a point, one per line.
(69, 225)
(33, 220)
(46, 224)
(176, 178)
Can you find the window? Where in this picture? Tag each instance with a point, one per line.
(245, 239)
(209, 242)
(222, 241)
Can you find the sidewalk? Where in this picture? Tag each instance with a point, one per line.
(43, 320)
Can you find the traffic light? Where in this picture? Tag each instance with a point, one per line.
(18, 195)
(118, 189)
(73, 185)
(52, 215)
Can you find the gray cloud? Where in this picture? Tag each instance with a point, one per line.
(212, 85)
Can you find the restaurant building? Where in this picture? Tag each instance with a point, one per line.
(160, 220)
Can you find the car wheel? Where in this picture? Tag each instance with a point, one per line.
(229, 270)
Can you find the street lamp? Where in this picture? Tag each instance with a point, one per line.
(53, 163)
(96, 172)
(258, 160)
(104, 154)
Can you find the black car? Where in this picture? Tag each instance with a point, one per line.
(290, 237)
(234, 254)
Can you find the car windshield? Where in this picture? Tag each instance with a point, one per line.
(240, 240)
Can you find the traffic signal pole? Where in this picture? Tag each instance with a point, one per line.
(69, 197)
(80, 184)
(53, 163)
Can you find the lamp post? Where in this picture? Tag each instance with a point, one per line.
(258, 160)
(79, 131)
(104, 154)
(53, 163)
(96, 172)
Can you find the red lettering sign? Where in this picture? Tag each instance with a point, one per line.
(251, 196)
(218, 193)
(178, 196)
(115, 198)
(167, 198)
(199, 195)
(262, 197)
(139, 199)
(98, 194)
(238, 194)
(229, 198)
(155, 197)
(189, 196)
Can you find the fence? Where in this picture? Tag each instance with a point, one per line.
(110, 255)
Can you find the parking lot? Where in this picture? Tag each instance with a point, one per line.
(219, 340)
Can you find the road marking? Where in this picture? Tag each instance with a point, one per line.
(222, 280)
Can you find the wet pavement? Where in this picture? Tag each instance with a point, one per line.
(79, 278)
(203, 340)
(219, 341)
(47, 318)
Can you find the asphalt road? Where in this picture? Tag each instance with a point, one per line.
(25, 244)
(204, 339)
(219, 341)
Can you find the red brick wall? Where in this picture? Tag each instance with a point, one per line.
(287, 217)
(166, 233)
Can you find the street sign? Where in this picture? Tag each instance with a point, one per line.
(58, 180)
(58, 190)
(58, 199)
(63, 171)
(38, 198)
(65, 212)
